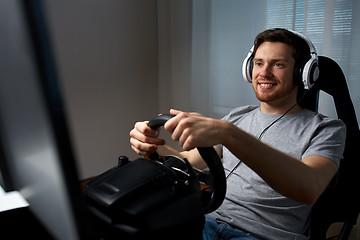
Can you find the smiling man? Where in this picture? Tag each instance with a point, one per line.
(273, 72)
(278, 157)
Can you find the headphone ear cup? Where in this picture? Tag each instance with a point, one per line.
(248, 66)
(298, 76)
(310, 73)
(314, 73)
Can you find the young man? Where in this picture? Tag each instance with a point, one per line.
(276, 164)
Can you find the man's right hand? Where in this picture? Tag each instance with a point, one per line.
(144, 140)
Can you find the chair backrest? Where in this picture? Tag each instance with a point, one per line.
(341, 200)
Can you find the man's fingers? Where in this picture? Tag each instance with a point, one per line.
(142, 148)
(175, 112)
(143, 128)
(134, 134)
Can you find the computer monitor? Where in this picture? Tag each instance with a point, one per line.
(36, 156)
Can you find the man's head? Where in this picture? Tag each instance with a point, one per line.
(272, 75)
(301, 50)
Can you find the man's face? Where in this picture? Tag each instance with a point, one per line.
(273, 74)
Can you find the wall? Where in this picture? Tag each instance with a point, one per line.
(106, 53)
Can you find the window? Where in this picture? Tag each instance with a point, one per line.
(332, 26)
(327, 23)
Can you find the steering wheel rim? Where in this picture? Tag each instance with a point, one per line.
(213, 162)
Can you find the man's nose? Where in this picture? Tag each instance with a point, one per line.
(266, 71)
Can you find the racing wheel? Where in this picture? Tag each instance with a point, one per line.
(213, 182)
(143, 198)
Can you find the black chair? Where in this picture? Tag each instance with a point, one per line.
(341, 200)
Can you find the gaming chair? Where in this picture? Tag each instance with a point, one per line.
(341, 200)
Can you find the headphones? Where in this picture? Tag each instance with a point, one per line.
(308, 72)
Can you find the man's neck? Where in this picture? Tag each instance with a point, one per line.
(268, 108)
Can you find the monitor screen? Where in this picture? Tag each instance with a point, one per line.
(36, 156)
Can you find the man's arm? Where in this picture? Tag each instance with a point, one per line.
(302, 181)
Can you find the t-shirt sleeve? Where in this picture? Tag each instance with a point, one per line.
(328, 141)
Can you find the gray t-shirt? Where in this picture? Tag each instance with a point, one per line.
(253, 206)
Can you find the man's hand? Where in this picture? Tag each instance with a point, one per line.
(194, 130)
(144, 140)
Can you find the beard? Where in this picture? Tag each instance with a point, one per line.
(277, 93)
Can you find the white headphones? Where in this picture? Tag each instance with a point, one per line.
(309, 71)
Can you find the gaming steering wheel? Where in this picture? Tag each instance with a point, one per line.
(214, 193)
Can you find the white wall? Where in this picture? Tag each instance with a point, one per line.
(106, 53)
(175, 39)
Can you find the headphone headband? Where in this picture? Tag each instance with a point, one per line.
(306, 39)
(308, 72)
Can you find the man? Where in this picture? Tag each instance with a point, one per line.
(278, 157)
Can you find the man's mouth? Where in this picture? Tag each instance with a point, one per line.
(266, 84)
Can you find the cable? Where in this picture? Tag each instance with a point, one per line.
(276, 120)
(236, 166)
(267, 128)
(262, 134)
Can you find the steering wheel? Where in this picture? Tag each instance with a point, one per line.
(215, 179)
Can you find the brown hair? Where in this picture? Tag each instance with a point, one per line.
(301, 49)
